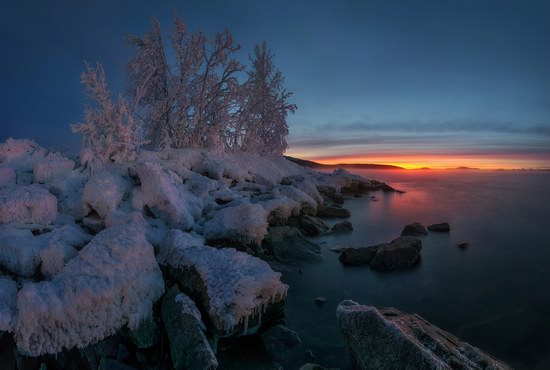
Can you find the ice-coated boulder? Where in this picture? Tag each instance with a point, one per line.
(280, 209)
(166, 196)
(287, 245)
(104, 191)
(21, 154)
(387, 338)
(112, 283)
(7, 176)
(32, 204)
(188, 345)
(53, 166)
(8, 303)
(236, 289)
(19, 250)
(246, 223)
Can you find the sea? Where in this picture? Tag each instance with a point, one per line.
(495, 294)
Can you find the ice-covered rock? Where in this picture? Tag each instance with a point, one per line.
(19, 250)
(7, 176)
(234, 288)
(387, 338)
(166, 196)
(27, 204)
(104, 191)
(112, 283)
(188, 345)
(246, 223)
(53, 166)
(287, 245)
(21, 154)
(308, 204)
(280, 209)
(8, 304)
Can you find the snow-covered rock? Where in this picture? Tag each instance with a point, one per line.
(280, 209)
(233, 287)
(104, 191)
(246, 223)
(7, 176)
(8, 303)
(112, 283)
(54, 165)
(308, 204)
(21, 154)
(19, 250)
(27, 204)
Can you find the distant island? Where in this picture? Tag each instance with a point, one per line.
(370, 166)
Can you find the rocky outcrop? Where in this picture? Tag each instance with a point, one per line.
(342, 227)
(188, 344)
(312, 226)
(328, 211)
(401, 253)
(278, 339)
(414, 229)
(287, 245)
(442, 227)
(390, 339)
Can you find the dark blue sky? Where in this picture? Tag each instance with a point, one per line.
(378, 81)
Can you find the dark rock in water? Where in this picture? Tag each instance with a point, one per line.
(320, 300)
(356, 196)
(312, 225)
(358, 256)
(442, 227)
(310, 366)
(342, 227)
(287, 245)
(390, 339)
(146, 335)
(110, 364)
(463, 245)
(188, 344)
(414, 229)
(332, 212)
(338, 249)
(278, 339)
(401, 253)
(337, 198)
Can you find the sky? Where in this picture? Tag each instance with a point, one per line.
(439, 83)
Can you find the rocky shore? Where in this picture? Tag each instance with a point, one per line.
(159, 263)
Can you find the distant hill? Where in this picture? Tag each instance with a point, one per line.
(369, 166)
(464, 168)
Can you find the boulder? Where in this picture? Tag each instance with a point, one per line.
(188, 345)
(19, 250)
(312, 225)
(286, 244)
(32, 204)
(238, 291)
(8, 304)
(342, 227)
(146, 335)
(386, 338)
(327, 211)
(7, 176)
(401, 253)
(104, 192)
(278, 339)
(53, 166)
(443, 227)
(414, 229)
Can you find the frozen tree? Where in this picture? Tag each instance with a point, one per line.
(109, 131)
(261, 126)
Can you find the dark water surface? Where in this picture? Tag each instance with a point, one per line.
(494, 295)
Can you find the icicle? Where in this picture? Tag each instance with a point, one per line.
(245, 325)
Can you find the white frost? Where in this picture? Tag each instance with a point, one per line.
(53, 166)
(19, 250)
(104, 192)
(246, 223)
(27, 204)
(7, 176)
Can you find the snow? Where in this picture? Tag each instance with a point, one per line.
(8, 300)
(104, 191)
(280, 209)
(7, 176)
(51, 167)
(21, 155)
(188, 306)
(299, 196)
(246, 223)
(237, 285)
(112, 283)
(19, 250)
(27, 204)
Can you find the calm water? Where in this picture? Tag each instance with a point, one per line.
(495, 294)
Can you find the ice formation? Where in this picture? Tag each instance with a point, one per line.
(246, 223)
(234, 285)
(19, 250)
(7, 176)
(31, 204)
(113, 282)
(104, 192)
(52, 166)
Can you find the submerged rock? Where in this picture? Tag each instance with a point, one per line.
(332, 212)
(312, 226)
(342, 227)
(188, 344)
(387, 338)
(278, 339)
(443, 227)
(414, 229)
(287, 245)
(401, 253)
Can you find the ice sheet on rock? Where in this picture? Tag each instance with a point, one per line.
(245, 223)
(52, 166)
(166, 196)
(27, 204)
(7, 176)
(8, 303)
(237, 285)
(113, 282)
(21, 155)
(280, 209)
(19, 250)
(299, 196)
(104, 191)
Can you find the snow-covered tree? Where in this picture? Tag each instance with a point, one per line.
(110, 133)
